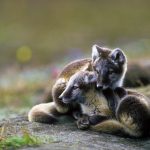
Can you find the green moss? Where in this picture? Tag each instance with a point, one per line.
(26, 140)
(15, 142)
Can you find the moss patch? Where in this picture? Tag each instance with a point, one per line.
(26, 140)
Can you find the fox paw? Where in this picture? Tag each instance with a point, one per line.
(83, 123)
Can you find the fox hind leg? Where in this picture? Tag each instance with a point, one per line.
(43, 113)
(109, 126)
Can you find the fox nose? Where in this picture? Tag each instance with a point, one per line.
(99, 85)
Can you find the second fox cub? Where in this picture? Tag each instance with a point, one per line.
(116, 111)
(112, 63)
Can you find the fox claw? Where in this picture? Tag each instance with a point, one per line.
(83, 123)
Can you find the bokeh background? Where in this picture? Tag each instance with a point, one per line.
(38, 37)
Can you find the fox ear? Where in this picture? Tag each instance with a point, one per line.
(90, 78)
(96, 52)
(118, 56)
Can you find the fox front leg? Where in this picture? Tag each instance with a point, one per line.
(86, 121)
(83, 123)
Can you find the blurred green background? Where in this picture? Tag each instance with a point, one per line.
(53, 29)
(38, 37)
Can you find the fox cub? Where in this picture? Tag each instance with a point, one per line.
(117, 111)
(110, 67)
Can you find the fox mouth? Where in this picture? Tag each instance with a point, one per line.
(66, 100)
(103, 87)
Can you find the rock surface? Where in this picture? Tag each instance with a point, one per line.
(65, 135)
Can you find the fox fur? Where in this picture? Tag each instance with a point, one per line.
(116, 111)
(104, 61)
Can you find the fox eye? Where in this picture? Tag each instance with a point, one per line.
(111, 71)
(75, 87)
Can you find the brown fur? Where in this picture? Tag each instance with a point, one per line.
(132, 117)
(44, 113)
(68, 71)
(125, 112)
(59, 86)
(38, 114)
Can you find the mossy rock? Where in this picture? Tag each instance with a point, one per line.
(65, 135)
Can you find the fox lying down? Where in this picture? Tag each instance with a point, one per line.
(110, 67)
(117, 111)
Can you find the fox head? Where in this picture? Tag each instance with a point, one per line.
(109, 65)
(79, 83)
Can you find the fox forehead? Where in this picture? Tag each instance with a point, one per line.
(82, 78)
(106, 64)
(76, 79)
